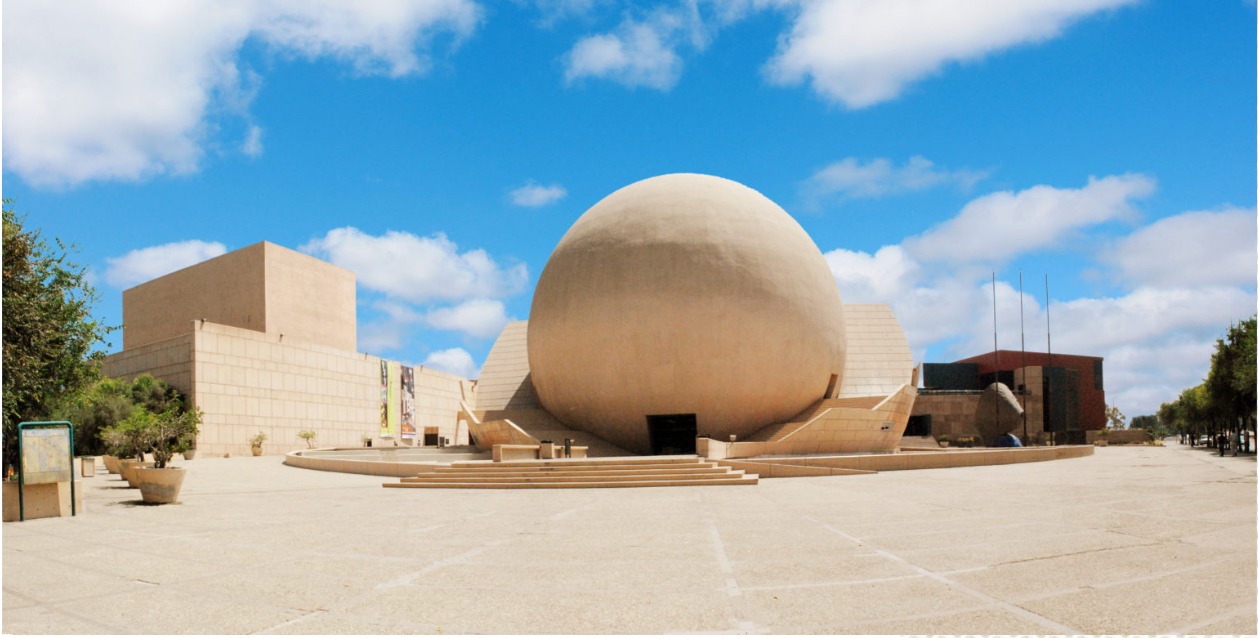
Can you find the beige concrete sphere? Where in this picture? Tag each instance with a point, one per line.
(684, 294)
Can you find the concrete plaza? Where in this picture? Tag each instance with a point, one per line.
(1150, 540)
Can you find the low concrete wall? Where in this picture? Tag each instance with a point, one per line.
(362, 461)
(865, 463)
(1120, 437)
(41, 501)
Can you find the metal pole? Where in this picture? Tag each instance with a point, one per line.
(995, 344)
(1022, 326)
(1048, 323)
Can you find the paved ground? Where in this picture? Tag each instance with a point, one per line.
(1144, 540)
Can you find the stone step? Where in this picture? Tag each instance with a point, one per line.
(600, 461)
(750, 479)
(538, 468)
(652, 471)
(545, 478)
(698, 471)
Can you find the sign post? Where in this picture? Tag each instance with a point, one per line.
(45, 452)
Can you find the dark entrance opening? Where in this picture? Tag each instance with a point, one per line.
(672, 433)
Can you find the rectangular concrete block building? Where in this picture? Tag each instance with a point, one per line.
(263, 339)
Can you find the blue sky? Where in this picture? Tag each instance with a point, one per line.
(441, 148)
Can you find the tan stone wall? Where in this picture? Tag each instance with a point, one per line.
(309, 299)
(437, 398)
(263, 287)
(839, 430)
(169, 360)
(229, 289)
(249, 382)
(951, 414)
(878, 357)
(504, 379)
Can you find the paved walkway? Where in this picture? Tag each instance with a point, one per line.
(1150, 540)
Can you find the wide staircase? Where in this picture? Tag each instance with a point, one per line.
(636, 471)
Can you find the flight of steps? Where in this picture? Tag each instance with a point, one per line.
(637, 471)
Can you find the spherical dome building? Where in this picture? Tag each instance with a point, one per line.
(684, 304)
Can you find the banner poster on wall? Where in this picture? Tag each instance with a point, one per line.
(395, 371)
(385, 432)
(408, 402)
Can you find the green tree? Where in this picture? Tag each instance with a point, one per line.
(50, 337)
(104, 404)
(1230, 384)
(1115, 417)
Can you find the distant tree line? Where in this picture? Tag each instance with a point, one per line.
(1224, 403)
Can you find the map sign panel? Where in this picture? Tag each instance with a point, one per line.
(46, 455)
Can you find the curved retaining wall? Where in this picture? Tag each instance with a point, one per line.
(904, 460)
(394, 462)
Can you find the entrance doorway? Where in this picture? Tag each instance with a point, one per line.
(672, 433)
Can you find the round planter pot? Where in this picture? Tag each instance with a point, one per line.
(111, 464)
(257, 451)
(189, 455)
(128, 470)
(159, 485)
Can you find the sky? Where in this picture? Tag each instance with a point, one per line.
(1099, 155)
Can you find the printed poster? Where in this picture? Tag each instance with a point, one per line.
(385, 431)
(392, 415)
(408, 402)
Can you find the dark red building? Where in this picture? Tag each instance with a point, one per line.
(1001, 364)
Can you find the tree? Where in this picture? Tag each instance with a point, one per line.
(1230, 384)
(104, 404)
(1117, 420)
(50, 337)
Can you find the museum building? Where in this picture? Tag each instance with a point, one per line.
(679, 311)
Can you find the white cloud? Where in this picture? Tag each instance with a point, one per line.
(849, 178)
(859, 53)
(381, 336)
(553, 11)
(99, 90)
(636, 54)
(1191, 249)
(533, 195)
(417, 269)
(252, 145)
(865, 278)
(1001, 225)
(143, 264)
(1156, 336)
(480, 318)
(453, 360)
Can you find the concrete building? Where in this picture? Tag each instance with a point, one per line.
(262, 339)
(1062, 394)
(681, 313)
(690, 306)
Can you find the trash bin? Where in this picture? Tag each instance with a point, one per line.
(89, 465)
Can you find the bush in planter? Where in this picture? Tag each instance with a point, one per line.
(255, 443)
(308, 436)
(164, 435)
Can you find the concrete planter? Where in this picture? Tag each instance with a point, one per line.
(111, 464)
(159, 486)
(257, 451)
(127, 469)
(89, 465)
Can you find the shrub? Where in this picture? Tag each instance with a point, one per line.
(308, 436)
